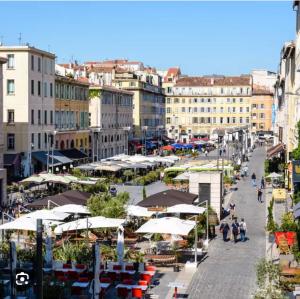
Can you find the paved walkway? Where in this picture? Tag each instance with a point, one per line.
(229, 270)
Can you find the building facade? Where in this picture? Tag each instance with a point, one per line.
(197, 106)
(71, 114)
(3, 198)
(148, 102)
(261, 109)
(28, 104)
(111, 121)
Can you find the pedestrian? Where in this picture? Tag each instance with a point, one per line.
(220, 152)
(243, 230)
(235, 230)
(246, 170)
(253, 178)
(259, 194)
(224, 151)
(262, 183)
(232, 210)
(206, 153)
(224, 229)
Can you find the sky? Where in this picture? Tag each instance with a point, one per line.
(202, 38)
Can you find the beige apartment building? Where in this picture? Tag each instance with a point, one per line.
(111, 120)
(28, 106)
(197, 106)
(3, 198)
(148, 101)
(261, 109)
(71, 114)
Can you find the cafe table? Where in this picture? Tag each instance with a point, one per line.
(131, 286)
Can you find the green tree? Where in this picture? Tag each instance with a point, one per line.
(296, 152)
(106, 205)
(128, 174)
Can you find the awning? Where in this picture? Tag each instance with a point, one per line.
(41, 156)
(275, 150)
(60, 157)
(74, 154)
(11, 159)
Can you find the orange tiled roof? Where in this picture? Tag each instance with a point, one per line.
(214, 81)
(261, 90)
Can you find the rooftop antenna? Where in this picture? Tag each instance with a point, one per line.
(20, 38)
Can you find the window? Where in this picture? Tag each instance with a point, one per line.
(32, 117)
(168, 101)
(168, 110)
(39, 140)
(195, 120)
(39, 64)
(241, 109)
(233, 120)
(247, 120)
(32, 62)
(39, 88)
(10, 116)
(241, 120)
(228, 120)
(221, 120)
(10, 87)
(233, 100)
(168, 120)
(51, 90)
(32, 87)
(45, 117)
(182, 109)
(45, 139)
(262, 115)
(10, 141)
(262, 106)
(39, 117)
(45, 89)
(247, 109)
(11, 61)
(51, 117)
(233, 109)
(253, 105)
(176, 101)
(241, 100)
(183, 101)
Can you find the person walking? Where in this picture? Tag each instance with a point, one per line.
(243, 230)
(224, 229)
(262, 183)
(232, 210)
(253, 178)
(206, 153)
(259, 195)
(235, 230)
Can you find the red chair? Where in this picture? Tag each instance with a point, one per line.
(112, 276)
(83, 279)
(146, 277)
(67, 266)
(129, 267)
(125, 275)
(105, 280)
(59, 273)
(76, 291)
(80, 266)
(117, 267)
(122, 292)
(73, 275)
(142, 283)
(128, 281)
(137, 293)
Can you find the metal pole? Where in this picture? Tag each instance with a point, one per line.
(97, 146)
(53, 142)
(48, 149)
(196, 240)
(39, 258)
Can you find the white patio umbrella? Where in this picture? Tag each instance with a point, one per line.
(120, 245)
(274, 175)
(167, 225)
(48, 246)
(138, 211)
(24, 223)
(46, 215)
(182, 176)
(186, 209)
(86, 223)
(33, 179)
(72, 209)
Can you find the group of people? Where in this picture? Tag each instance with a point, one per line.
(237, 228)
